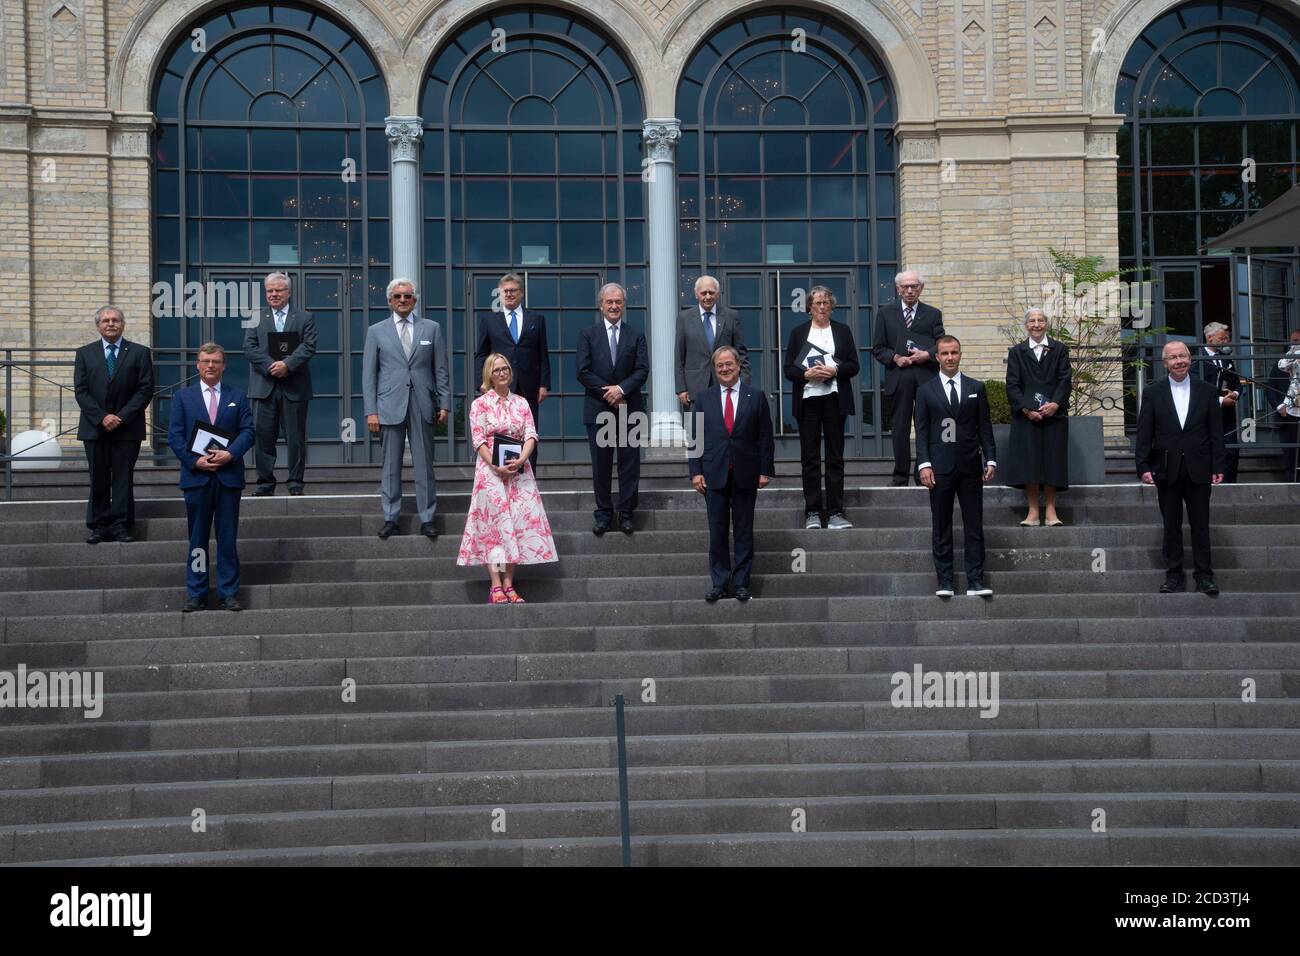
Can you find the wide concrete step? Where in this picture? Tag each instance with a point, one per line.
(820, 815)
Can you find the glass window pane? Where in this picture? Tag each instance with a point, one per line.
(486, 198)
(784, 153)
(167, 238)
(1220, 143)
(225, 240)
(738, 152)
(833, 242)
(1172, 189)
(324, 150)
(1221, 189)
(486, 103)
(485, 152)
(787, 196)
(535, 243)
(738, 198)
(1269, 142)
(275, 242)
(832, 195)
(324, 196)
(576, 199)
(886, 239)
(787, 242)
(488, 242)
(274, 149)
(324, 242)
(1171, 144)
(225, 149)
(582, 242)
(1174, 235)
(738, 241)
(580, 153)
(533, 152)
(834, 152)
(886, 202)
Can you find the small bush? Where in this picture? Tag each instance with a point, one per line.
(999, 407)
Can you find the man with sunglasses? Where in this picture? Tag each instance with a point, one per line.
(406, 380)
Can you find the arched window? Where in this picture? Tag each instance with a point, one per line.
(270, 155)
(532, 163)
(787, 170)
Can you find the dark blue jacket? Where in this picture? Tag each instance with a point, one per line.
(234, 415)
(748, 451)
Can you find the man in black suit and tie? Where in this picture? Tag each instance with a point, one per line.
(613, 364)
(113, 382)
(520, 335)
(956, 455)
(1214, 366)
(279, 383)
(702, 329)
(737, 460)
(905, 335)
(1180, 450)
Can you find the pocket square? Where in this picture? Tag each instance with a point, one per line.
(425, 342)
(231, 405)
(972, 395)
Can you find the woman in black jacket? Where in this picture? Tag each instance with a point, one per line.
(821, 359)
(1038, 390)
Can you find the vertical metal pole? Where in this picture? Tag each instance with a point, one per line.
(780, 363)
(624, 820)
(9, 424)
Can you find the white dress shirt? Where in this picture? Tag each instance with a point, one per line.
(943, 382)
(1037, 347)
(105, 344)
(1182, 393)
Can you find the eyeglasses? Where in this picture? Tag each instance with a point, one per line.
(910, 285)
(402, 295)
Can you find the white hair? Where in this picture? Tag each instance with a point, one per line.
(600, 296)
(1031, 311)
(709, 278)
(388, 292)
(281, 276)
(899, 276)
(109, 308)
(1214, 328)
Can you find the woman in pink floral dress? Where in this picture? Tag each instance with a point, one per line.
(506, 525)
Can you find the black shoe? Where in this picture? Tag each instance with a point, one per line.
(742, 594)
(898, 483)
(295, 492)
(977, 587)
(600, 528)
(714, 594)
(944, 590)
(429, 531)
(192, 604)
(96, 537)
(388, 530)
(230, 604)
(625, 524)
(1207, 586)
(126, 537)
(1173, 585)
(264, 492)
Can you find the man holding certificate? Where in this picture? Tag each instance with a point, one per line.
(279, 349)
(209, 430)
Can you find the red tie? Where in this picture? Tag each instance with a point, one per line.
(729, 413)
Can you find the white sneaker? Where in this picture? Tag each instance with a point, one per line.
(943, 592)
(982, 591)
(838, 522)
(813, 522)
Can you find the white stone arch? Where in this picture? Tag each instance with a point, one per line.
(159, 22)
(625, 26)
(1122, 27)
(875, 21)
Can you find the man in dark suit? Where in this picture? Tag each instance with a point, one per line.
(613, 364)
(736, 461)
(702, 329)
(905, 335)
(520, 335)
(212, 482)
(1180, 450)
(1214, 366)
(113, 382)
(956, 455)
(280, 384)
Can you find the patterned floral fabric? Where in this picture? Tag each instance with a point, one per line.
(506, 523)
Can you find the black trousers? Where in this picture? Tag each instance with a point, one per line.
(820, 422)
(602, 473)
(1289, 430)
(111, 505)
(730, 510)
(902, 405)
(967, 488)
(271, 415)
(1173, 496)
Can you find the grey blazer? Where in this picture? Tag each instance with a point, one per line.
(296, 386)
(390, 381)
(694, 365)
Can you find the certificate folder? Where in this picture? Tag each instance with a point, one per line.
(280, 345)
(505, 450)
(205, 437)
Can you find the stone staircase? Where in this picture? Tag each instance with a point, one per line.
(767, 717)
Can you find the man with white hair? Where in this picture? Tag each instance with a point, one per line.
(1179, 449)
(279, 349)
(406, 383)
(702, 329)
(905, 333)
(1214, 366)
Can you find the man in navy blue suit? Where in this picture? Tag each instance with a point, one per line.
(955, 448)
(737, 460)
(520, 335)
(212, 483)
(613, 364)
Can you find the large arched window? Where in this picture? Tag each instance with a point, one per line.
(787, 177)
(270, 154)
(532, 163)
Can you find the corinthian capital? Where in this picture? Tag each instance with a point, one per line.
(661, 136)
(404, 133)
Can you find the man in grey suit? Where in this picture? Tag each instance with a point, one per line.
(279, 384)
(404, 373)
(700, 330)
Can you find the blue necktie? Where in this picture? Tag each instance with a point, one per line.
(514, 327)
(112, 359)
(708, 329)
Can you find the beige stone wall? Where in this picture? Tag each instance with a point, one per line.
(1007, 146)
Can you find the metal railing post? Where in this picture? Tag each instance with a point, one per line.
(624, 816)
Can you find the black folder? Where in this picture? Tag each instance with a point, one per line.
(280, 345)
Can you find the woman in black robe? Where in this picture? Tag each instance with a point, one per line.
(1038, 390)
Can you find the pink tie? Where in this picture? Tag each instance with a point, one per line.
(212, 405)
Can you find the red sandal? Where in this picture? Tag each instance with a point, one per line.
(513, 596)
(498, 596)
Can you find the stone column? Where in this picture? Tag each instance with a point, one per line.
(661, 136)
(404, 134)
